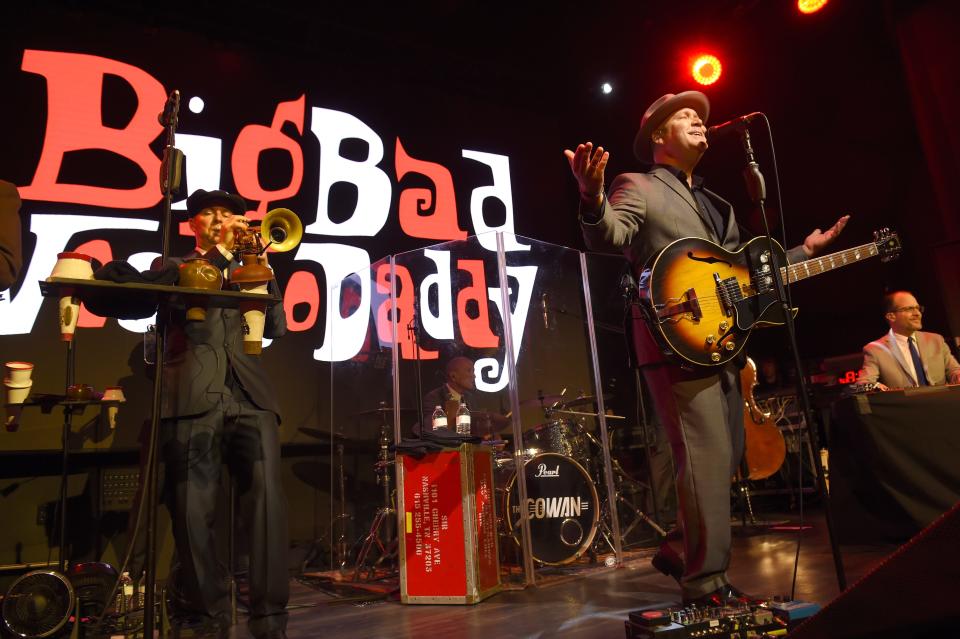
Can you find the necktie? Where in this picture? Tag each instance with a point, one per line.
(917, 364)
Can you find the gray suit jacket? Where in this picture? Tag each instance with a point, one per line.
(200, 355)
(883, 362)
(643, 213)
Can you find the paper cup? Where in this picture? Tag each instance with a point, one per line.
(254, 317)
(109, 413)
(113, 394)
(253, 321)
(17, 394)
(19, 371)
(69, 314)
(75, 266)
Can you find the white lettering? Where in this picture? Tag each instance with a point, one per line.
(440, 325)
(491, 375)
(373, 186)
(53, 231)
(342, 336)
(501, 190)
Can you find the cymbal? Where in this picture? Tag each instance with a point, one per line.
(322, 434)
(541, 401)
(584, 400)
(380, 410)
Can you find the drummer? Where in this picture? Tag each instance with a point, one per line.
(460, 387)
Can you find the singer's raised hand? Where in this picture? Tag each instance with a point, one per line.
(588, 165)
(818, 240)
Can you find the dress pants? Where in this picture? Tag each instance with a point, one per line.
(247, 439)
(702, 414)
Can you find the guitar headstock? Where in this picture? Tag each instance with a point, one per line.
(887, 243)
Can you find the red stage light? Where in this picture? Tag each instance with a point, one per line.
(810, 6)
(706, 69)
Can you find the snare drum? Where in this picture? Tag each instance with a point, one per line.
(561, 503)
(558, 436)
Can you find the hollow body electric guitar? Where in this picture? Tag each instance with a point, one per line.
(703, 301)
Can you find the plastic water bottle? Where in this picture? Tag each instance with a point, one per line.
(463, 419)
(124, 594)
(439, 418)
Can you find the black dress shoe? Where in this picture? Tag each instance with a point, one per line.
(725, 595)
(668, 562)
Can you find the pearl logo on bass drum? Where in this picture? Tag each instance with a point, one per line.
(542, 471)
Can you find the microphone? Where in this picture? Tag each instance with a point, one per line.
(543, 308)
(736, 124)
(170, 109)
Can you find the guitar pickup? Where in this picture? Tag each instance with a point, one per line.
(691, 305)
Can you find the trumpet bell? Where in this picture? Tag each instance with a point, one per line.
(281, 229)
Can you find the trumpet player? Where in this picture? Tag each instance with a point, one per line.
(220, 407)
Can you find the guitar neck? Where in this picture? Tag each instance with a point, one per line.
(826, 263)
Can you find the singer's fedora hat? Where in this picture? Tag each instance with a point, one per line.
(201, 199)
(659, 111)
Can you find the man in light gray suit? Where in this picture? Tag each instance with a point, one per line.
(218, 405)
(906, 356)
(702, 410)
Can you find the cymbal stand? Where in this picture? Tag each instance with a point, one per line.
(388, 544)
(622, 476)
(341, 543)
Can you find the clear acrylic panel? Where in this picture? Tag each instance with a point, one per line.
(359, 346)
(565, 438)
(641, 460)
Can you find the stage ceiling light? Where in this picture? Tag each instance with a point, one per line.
(606, 87)
(810, 6)
(706, 69)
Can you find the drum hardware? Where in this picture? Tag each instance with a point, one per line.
(561, 506)
(621, 477)
(585, 400)
(385, 542)
(543, 401)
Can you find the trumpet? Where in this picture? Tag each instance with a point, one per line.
(280, 230)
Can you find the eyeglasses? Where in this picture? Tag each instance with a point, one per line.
(910, 309)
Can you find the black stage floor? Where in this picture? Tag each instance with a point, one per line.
(595, 602)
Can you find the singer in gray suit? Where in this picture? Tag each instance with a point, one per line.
(702, 410)
(219, 406)
(906, 356)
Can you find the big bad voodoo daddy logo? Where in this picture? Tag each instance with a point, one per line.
(74, 106)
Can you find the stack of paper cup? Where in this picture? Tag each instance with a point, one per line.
(112, 394)
(75, 266)
(17, 383)
(254, 317)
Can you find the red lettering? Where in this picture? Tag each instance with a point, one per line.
(415, 203)
(74, 123)
(253, 140)
(301, 289)
(475, 330)
(404, 310)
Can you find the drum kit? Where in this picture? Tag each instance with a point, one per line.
(563, 466)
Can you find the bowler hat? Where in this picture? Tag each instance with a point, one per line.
(201, 199)
(659, 111)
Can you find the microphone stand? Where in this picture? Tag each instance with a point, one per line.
(171, 171)
(413, 331)
(757, 190)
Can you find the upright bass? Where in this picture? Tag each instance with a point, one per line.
(765, 448)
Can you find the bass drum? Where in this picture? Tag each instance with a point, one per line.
(562, 506)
